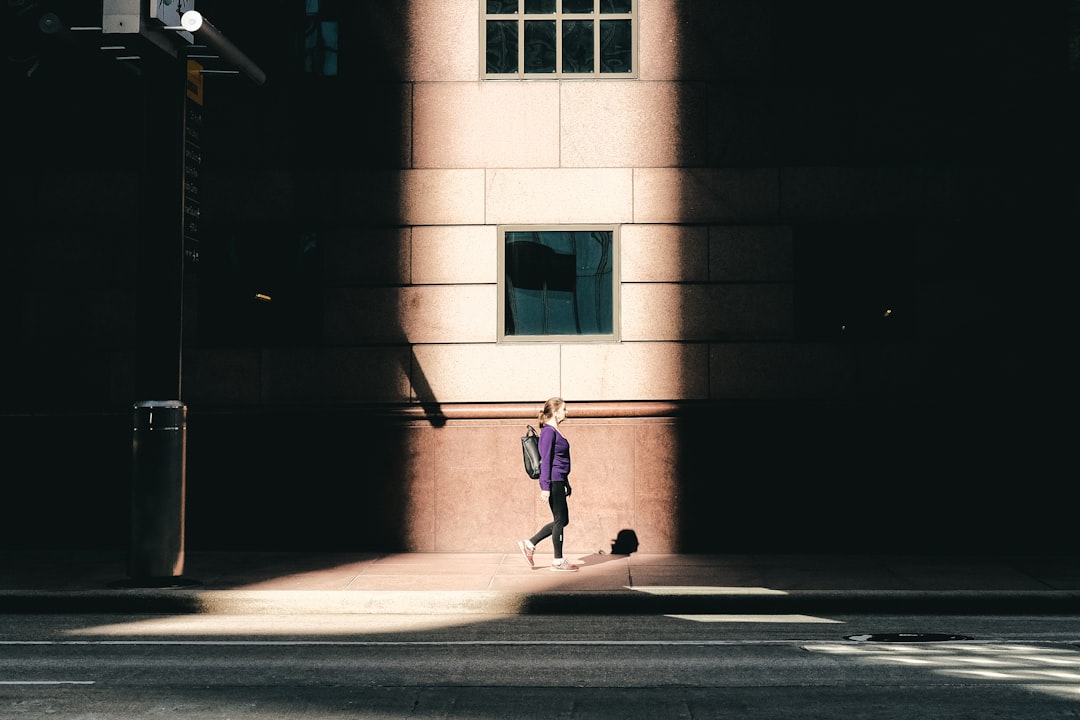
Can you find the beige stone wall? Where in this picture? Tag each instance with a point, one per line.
(704, 255)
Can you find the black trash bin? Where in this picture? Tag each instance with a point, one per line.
(157, 490)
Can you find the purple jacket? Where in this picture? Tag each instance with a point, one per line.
(554, 467)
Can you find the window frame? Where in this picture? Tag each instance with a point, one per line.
(558, 17)
(612, 337)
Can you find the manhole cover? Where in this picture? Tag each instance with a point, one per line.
(907, 637)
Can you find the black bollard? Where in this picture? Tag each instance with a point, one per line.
(159, 442)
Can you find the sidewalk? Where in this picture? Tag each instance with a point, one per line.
(503, 583)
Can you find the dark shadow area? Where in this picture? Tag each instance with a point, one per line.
(423, 394)
(946, 307)
(260, 286)
(161, 582)
(78, 108)
(68, 481)
(299, 479)
(799, 476)
(278, 178)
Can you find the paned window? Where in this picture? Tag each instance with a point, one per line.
(559, 38)
(558, 283)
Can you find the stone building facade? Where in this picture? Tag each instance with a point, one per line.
(812, 217)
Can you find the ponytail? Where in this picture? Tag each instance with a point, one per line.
(550, 407)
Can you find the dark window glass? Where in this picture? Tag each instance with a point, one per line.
(502, 7)
(502, 46)
(540, 7)
(577, 6)
(577, 46)
(615, 6)
(321, 47)
(559, 283)
(615, 46)
(539, 46)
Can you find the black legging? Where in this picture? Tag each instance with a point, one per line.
(560, 514)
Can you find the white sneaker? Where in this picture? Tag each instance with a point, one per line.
(562, 566)
(526, 551)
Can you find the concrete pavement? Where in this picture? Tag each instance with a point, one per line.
(503, 583)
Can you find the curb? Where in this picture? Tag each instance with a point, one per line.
(419, 602)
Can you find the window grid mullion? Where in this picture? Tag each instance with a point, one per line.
(521, 39)
(558, 39)
(596, 39)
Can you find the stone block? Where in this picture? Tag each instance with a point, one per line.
(442, 41)
(222, 377)
(454, 254)
(363, 256)
(412, 314)
(705, 195)
(663, 253)
(627, 123)
(780, 371)
(413, 197)
(665, 311)
(751, 253)
(486, 124)
(853, 192)
(335, 376)
(516, 372)
(634, 370)
(566, 196)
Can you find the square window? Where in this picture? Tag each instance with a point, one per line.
(558, 283)
(559, 38)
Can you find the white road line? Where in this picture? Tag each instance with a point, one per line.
(393, 643)
(47, 682)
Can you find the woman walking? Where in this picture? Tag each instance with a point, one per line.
(554, 484)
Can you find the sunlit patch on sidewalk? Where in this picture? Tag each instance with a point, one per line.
(729, 618)
(705, 590)
(317, 625)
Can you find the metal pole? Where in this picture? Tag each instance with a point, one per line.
(159, 434)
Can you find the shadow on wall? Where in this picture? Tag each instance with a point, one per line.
(307, 471)
(424, 395)
(896, 465)
(296, 479)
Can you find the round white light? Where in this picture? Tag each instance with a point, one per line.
(191, 20)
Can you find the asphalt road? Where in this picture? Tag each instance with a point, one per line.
(501, 667)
